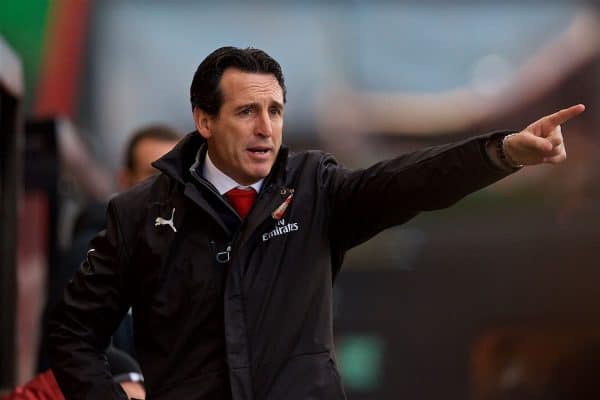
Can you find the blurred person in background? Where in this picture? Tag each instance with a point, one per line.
(228, 256)
(145, 145)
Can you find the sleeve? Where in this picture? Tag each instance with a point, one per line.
(93, 304)
(364, 202)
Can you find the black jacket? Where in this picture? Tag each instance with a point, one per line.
(276, 310)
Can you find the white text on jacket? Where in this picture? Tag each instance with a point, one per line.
(281, 229)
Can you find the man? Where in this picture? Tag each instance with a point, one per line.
(227, 257)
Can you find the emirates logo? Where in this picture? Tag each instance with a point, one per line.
(281, 229)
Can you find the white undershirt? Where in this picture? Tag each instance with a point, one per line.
(222, 182)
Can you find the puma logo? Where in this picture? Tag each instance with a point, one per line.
(161, 221)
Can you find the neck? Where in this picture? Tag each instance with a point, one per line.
(223, 181)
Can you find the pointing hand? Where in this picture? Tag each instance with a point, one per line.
(541, 141)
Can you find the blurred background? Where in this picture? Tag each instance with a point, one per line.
(495, 298)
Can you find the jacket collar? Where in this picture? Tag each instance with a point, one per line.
(176, 163)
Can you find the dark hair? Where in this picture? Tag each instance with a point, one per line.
(205, 92)
(155, 132)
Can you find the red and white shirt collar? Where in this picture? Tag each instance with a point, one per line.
(222, 182)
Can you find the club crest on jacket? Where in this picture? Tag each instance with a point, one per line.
(280, 211)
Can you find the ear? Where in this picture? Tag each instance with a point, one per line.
(203, 122)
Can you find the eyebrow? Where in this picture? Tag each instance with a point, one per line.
(256, 105)
(277, 104)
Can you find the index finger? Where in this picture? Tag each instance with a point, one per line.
(562, 116)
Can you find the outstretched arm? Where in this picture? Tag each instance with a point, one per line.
(364, 202)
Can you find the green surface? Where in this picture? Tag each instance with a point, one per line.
(361, 361)
(23, 26)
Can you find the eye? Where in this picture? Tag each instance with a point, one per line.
(275, 111)
(245, 111)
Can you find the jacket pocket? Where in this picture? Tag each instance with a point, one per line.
(209, 385)
(182, 283)
(203, 279)
(303, 377)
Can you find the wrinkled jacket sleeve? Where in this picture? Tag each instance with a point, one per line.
(366, 201)
(93, 304)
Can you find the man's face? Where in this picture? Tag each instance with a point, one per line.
(146, 151)
(245, 137)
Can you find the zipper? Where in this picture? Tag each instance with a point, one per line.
(213, 190)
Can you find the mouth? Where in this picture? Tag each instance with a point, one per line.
(259, 150)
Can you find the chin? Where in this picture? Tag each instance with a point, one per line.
(260, 176)
(260, 172)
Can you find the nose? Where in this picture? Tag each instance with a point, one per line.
(264, 124)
